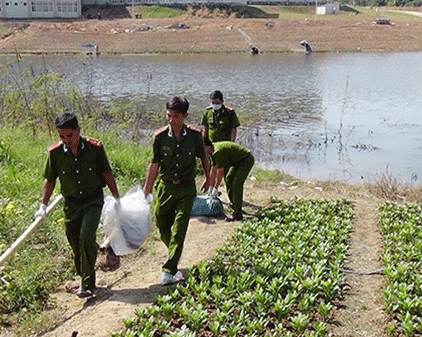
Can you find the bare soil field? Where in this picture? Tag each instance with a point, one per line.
(135, 284)
(348, 33)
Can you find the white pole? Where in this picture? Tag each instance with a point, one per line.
(19, 241)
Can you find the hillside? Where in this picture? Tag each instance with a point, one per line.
(346, 32)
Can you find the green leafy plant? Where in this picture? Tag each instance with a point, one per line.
(300, 323)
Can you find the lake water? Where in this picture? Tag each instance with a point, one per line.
(340, 117)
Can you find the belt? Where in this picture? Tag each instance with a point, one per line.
(86, 198)
(178, 182)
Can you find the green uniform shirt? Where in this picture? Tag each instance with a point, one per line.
(81, 175)
(227, 154)
(220, 124)
(177, 158)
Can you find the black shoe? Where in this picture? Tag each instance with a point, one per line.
(231, 218)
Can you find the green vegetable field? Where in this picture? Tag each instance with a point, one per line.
(278, 276)
(401, 228)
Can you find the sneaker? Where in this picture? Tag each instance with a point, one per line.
(233, 217)
(83, 293)
(167, 279)
(178, 276)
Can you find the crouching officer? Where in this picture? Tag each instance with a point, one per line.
(83, 169)
(234, 162)
(175, 149)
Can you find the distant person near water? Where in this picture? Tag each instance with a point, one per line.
(220, 122)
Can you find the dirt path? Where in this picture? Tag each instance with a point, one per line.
(363, 311)
(135, 284)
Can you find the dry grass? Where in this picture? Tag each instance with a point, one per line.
(341, 33)
(386, 187)
(391, 188)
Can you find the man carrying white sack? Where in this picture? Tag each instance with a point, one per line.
(82, 167)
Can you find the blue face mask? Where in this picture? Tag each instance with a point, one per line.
(216, 107)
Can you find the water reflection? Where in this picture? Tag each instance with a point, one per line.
(340, 117)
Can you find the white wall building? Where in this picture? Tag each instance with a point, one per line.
(160, 2)
(19, 9)
(329, 9)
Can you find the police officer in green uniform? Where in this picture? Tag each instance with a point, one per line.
(175, 149)
(83, 169)
(220, 122)
(234, 161)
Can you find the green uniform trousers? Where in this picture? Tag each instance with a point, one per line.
(172, 212)
(82, 217)
(235, 177)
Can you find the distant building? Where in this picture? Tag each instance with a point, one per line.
(20, 9)
(161, 2)
(328, 9)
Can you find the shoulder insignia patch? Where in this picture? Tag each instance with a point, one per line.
(160, 130)
(54, 146)
(94, 142)
(195, 128)
(209, 107)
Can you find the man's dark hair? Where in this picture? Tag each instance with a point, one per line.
(179, 104)
(208, 142)
(216, 94)
(67, 121)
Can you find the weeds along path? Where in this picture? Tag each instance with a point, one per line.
(363, 310)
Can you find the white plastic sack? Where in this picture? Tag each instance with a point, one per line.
(127, 225)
